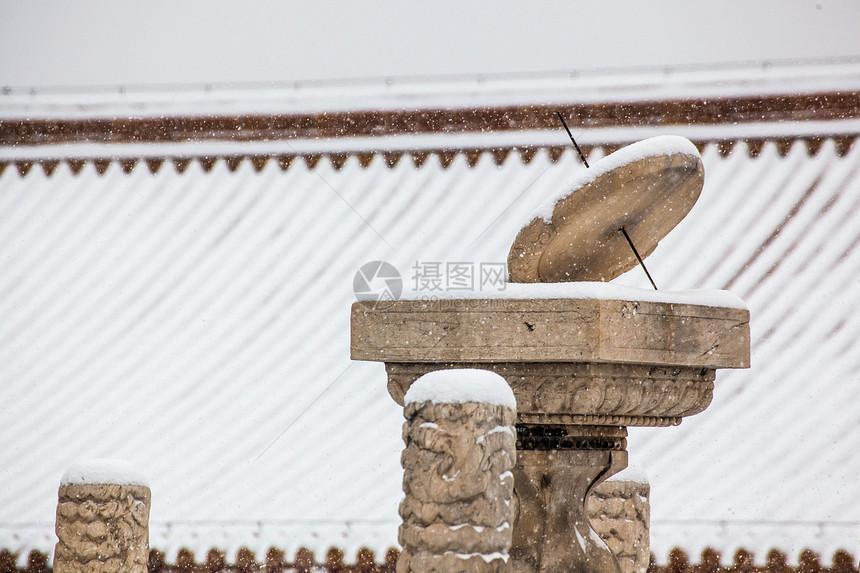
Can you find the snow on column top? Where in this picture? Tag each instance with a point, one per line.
(103, 471)
(630, 473)
(461, 385)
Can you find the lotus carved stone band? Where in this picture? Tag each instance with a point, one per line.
(584, 359)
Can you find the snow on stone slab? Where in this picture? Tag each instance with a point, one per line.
(103, 471)
(651, 147)
(586, 290)
(461, 385)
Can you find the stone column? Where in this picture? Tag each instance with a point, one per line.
(458, 481)
(102, 519)
(557, 468)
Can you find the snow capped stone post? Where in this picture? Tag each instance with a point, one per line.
(460, 451)
(102, 519)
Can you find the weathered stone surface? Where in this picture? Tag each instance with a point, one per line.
(102, 529)
(552, 533)
(587, 394)
(551, 330)
(619, 512)
(458, 485)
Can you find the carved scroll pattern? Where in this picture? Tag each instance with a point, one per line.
(102, 529)
(458, 484)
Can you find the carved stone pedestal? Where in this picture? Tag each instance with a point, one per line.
(581, 371)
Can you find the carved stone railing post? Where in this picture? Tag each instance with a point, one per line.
(458, 482)
(102, 519)
(619, 511)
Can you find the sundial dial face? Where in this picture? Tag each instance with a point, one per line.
(646, 188)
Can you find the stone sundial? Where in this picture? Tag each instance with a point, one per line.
(645, 188)
(584, 359)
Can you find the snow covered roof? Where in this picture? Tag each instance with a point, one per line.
(195, 324)
(422, 117)
(755, 79)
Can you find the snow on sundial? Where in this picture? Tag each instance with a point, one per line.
(645, 188)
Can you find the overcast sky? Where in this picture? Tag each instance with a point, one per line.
(109, 42)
